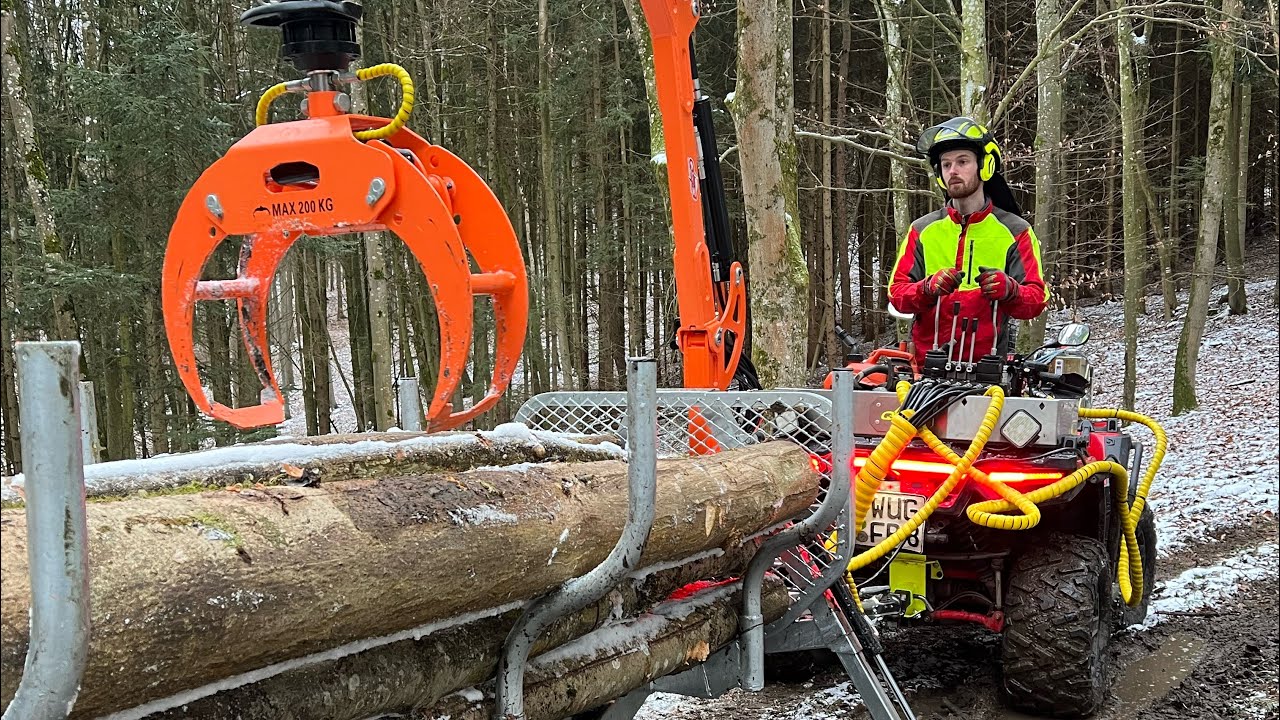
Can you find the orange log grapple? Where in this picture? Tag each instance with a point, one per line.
(333, 173)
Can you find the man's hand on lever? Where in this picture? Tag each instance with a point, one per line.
(943, 282)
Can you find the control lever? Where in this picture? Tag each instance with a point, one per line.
(937, 318)
(995, 325)
(973, 344)
(955, 315)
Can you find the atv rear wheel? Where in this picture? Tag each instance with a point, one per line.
(1057, 625)
(1146, 533)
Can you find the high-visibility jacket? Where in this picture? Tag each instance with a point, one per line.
(990, 237)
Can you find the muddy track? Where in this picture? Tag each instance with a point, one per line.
(1220, 662)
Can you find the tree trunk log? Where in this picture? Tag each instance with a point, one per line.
(422, 667)
(613, 661)
(189, 589)
(312, 460)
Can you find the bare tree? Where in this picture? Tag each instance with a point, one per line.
(763, 113)
(1217, 164)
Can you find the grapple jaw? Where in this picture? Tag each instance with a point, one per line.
(313, 177)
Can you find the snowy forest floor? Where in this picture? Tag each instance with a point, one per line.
(1209, 647)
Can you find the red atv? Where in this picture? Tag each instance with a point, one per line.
(1050, 587)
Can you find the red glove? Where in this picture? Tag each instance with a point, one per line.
(943, 282)
(996, 285)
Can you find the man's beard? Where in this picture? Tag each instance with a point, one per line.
(961, 190)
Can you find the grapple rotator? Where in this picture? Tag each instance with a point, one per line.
(333, 173)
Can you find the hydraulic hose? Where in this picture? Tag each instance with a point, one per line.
(991, 513)
(406, 99)
(1157, 456)
(262, 114)
(961, 468)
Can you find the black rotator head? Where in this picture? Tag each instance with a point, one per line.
(318, 34)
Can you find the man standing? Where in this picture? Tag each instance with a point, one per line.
(974, 263)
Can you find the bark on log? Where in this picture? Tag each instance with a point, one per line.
(611, 662)
(189, 589)
(313, 460)
(419, 671)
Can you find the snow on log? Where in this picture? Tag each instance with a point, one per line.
(189, 589)
(365, 680)
(612, 661)
(307, 461)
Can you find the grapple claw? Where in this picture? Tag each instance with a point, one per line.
(312, 177)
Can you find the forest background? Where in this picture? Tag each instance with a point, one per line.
(1141, 139)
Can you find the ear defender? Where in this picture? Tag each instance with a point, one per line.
(989, 155)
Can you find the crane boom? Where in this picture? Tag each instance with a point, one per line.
(710, 285)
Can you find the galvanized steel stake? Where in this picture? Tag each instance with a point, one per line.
(642, 467)
(52, 463)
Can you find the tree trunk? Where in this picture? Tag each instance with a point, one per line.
(604, 664)
(973, 59)
(895, 95)
(9, 398)
(1238, 203)
(1175, 148)
(608, 300)
(315, 338)
(827, 329)
(156, 380)
(557, 309)
(1217, 164)
(842, 219)
(1133, 208)
(868, 238)
(255, 577)
(639, 298)
(1048, 157)
(763, 113)
(378, 307)
(62, 326)
(430, 93)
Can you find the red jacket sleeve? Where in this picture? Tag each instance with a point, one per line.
(906, 285)
(1023, 265)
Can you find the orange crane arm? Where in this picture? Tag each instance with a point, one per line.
(711, 289)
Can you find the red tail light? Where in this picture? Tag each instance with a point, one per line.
(916, 475)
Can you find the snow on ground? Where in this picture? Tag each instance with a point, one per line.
(1203, 588)
(1223, 462)
(343, 413)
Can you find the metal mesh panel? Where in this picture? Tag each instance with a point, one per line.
(692, 422)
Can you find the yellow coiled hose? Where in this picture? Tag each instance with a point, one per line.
(262, 114)
(870, 477)
(406, 99)
(991, 513)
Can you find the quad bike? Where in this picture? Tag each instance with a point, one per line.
(1038, 531)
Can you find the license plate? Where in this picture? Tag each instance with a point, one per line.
(889, 512)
